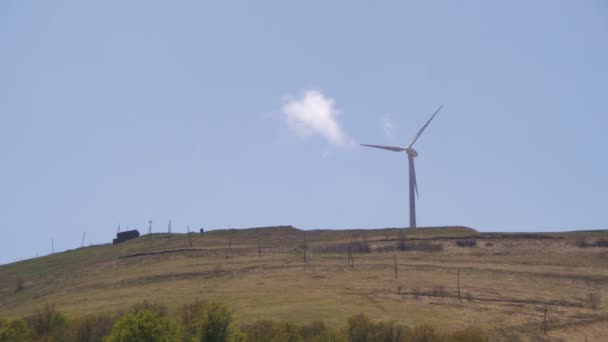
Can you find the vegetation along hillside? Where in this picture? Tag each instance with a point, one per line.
(508, 285)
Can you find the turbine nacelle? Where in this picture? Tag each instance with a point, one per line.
(411, 152)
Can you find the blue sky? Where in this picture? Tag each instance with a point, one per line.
(117, 112)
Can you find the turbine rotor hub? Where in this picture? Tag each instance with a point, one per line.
(411, 152)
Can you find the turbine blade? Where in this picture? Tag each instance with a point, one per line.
(390, 148)
(424, 127)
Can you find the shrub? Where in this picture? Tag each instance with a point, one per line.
(269, 331)
(317, 331)
(19, 284)
(439, 291)
(424, 333)
(143, 325)
(358, 328)
(188, 317)
(467, 335)
(212, 322)
(601, 243)
(466, 243)
(390, 332)
(363, 246)
(49, 324)
(361, 329)
(217, 325)
(417, 293)
(260, 331)
(584, 243)
(15, 331)
(424, 246)
(203, 321)
(288, 332)
(92, 328)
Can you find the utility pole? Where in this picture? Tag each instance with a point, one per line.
(150, 231)
(189, 236)
(304, 246)
(230, 239)
(259, 246)
(169, 226)
(351, 261)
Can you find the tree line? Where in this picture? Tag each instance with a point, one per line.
(209, 321)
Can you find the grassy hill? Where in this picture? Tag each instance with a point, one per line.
(505, 279)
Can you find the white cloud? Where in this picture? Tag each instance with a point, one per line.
(315, 114)
(388, 125)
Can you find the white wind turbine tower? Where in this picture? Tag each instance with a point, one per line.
(411, 154)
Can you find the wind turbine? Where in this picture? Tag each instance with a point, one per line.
(411, 154)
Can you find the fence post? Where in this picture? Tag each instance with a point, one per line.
(545, 321)
(395, 266)
(458, 281)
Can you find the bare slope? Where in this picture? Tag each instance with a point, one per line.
(505, 279)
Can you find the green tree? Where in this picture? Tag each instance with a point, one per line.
(318, 331)
(92, 328)
(288, 332)
(143, 326)
(206, 322)
(15, 331)
(359, 328)
(49, 324)
(425, 333)
(390, 332)
(260, 331)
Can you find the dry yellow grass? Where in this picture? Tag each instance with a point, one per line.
(505, 281)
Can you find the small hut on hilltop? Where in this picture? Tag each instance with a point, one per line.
(124, 236)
